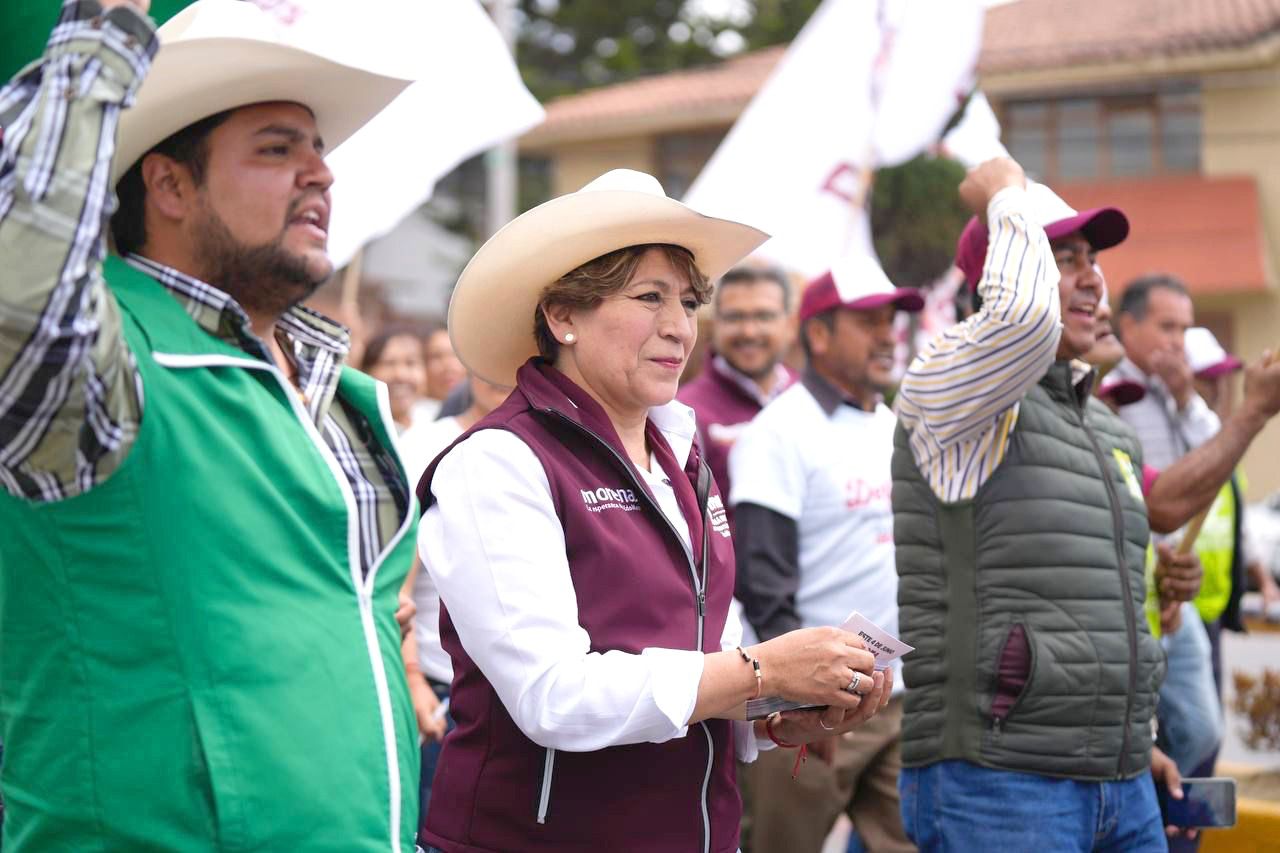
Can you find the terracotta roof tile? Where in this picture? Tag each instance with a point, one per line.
(1036, 34)
(1020, 36)
(727, 85)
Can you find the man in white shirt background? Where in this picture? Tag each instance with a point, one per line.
(814, 539)
(1154, 316)
(1152, 321)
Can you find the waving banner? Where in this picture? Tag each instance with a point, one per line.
(865, 84)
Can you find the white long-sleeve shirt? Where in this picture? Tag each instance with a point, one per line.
(495, 548)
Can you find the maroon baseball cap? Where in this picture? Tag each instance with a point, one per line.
(1207, 358)
(1103, 227)
(1122, 391)
(859, 284)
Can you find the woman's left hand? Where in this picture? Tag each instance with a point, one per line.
(807, 726)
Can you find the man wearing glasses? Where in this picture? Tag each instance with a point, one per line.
(751, 331)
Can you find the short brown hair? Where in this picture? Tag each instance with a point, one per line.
(588, 285)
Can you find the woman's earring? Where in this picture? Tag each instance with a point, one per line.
(568, 337)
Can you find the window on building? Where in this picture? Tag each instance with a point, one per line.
(1066, 139)
(681, 156)
(1026, 133)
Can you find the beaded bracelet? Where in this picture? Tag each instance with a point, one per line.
(755, 667)
(801, 757)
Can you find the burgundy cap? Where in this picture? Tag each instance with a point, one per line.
(822, 295)
(1230, 364)
(1207, 358)
(1103, 227)
(1122, 391)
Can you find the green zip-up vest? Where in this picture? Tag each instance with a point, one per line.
(189, 657)
(1054, 542)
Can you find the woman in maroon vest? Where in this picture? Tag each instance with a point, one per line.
(582, 554)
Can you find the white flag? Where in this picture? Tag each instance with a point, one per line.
(976, 137)
(864, 84)
(468, 97)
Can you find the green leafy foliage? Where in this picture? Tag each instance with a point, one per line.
(565, 46)
(916, 216)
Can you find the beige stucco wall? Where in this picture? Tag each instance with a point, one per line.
(1242, 137)
(576, 164)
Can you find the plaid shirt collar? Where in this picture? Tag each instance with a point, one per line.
(318, 345)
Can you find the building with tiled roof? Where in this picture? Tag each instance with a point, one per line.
(1169, 109)
(1030, 35)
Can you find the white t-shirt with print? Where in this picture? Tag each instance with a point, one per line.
(831, 475)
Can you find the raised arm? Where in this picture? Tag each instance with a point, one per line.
(69, 399)
(959, 398)
(977, 370)
(1191, 484)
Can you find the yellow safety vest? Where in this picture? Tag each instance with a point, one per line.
(1216, 547)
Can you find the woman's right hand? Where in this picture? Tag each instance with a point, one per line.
(815, 666)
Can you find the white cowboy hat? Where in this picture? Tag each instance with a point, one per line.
(491, 312)
(216, 55)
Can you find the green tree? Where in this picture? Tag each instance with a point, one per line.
(565, 46)
(916, 216)
(777, 21)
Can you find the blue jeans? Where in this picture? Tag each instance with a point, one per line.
(1189, 710)
(958, 807)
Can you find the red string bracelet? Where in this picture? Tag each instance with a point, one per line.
(801, 757)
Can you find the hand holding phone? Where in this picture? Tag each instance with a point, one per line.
(1206, 802)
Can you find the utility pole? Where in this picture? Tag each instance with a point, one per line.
(501, 160)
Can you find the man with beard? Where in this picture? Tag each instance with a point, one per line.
(749, 334)
(206, 523)
(811, 485)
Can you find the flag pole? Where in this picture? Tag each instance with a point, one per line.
(501, 160)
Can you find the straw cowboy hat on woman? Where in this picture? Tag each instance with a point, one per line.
(492, 309)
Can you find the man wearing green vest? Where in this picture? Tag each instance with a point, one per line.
(1021, 546)
(206, 521)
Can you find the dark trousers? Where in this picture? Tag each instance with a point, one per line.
(1205, 768)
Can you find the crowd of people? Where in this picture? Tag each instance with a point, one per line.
(512, 586)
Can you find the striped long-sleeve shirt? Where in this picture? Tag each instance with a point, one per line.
(959, 399)
(71, 399)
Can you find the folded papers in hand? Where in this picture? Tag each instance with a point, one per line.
(885, 647)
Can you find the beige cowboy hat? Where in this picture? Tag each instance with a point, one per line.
(216, 55)
(491, 312)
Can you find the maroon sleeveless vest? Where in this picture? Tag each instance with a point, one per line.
(637, 587)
